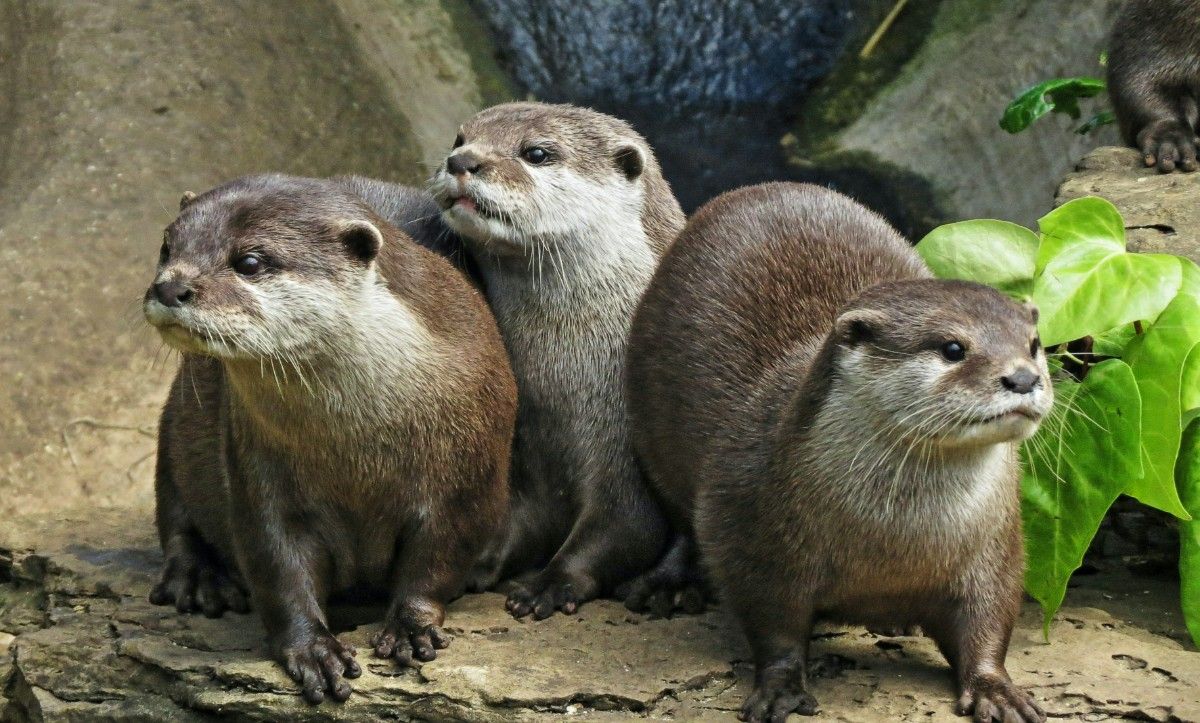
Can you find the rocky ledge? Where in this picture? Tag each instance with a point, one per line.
(88, 646)
(1161, 210)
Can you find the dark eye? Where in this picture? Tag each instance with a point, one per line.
(458, 141)
(164, 252)
(1034, 346)
(248, 264)
(954, 351)
(536, 156)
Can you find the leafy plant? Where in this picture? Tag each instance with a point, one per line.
(1060, 95)
(1122, 332)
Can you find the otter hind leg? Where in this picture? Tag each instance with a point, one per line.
(514, 552)
(194, 577)
(1169, 143)
(676, 584)
(602, 551)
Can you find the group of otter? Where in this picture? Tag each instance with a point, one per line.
(539, 377)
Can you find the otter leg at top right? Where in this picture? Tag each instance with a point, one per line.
(1154, 80)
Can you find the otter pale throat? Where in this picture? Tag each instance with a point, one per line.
(841, 430)
(566, 212)
(342, 417)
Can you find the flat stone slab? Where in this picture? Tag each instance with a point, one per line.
(87, 645)
(1161, 210)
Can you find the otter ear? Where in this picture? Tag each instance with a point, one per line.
(858, 326)
(1032, 310)
(362, 239)
(187, 199)
(630, 160)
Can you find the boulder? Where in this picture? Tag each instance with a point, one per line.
(110, 112)
(937, 119)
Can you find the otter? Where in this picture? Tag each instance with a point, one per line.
(565, 212)
(1154, 80)
(842, 430)
(342, 419)
(417, 214)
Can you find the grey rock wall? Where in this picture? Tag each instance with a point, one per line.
(939, 118)
(110, 111)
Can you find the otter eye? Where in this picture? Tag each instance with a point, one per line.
(536, 156)
(458, 141)
(1035, 346)
(164, 252)
(954, 351)
(248, 264)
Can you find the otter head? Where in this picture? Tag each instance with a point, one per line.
(522, 175)
(262, 267)
(953, 363)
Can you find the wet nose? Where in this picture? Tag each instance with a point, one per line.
(173, 293)
(1022, 381)
(462, 162)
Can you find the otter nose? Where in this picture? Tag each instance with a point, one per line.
(1022, 381)
(173, 293)
(462, 162)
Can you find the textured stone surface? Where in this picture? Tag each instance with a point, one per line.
(109, 111)
(1161, 210)
(89, 646)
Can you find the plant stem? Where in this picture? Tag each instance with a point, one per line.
(881, 30)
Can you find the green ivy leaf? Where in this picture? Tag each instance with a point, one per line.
(1087, 283)
(1075, 467)
(1114, 341)
(1159, 359)
(1189, 386)
(1188, 472)
(1060, 95)
(997, 253)
(1081, 223)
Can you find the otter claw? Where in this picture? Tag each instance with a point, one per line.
(1000, 701)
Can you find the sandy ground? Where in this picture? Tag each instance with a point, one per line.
(76, 583)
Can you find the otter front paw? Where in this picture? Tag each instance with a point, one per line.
(774, 701)
(1169, 144)
(549, 591)
(993, 699)
(320, 664)
(410, 645)
(198, 583)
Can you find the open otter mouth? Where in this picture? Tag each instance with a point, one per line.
(470, 204)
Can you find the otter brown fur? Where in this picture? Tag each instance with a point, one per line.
(795, 395)
(1154, 80)
(342, 419)
(566, 213)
